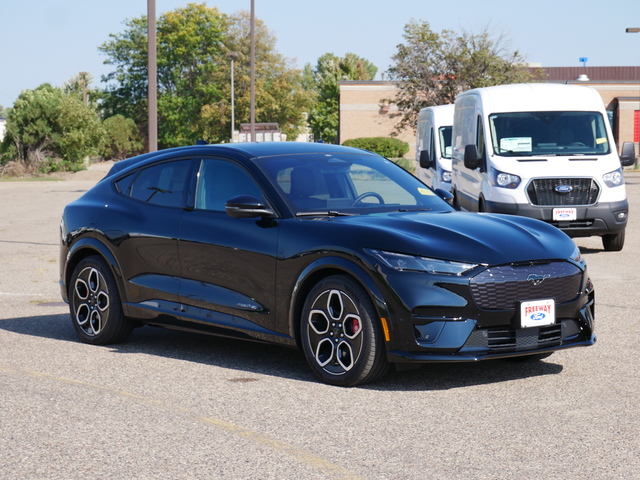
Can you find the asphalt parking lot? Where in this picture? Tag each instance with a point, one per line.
(171, 405)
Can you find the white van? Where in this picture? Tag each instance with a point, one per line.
(544, 151)
(433, 146)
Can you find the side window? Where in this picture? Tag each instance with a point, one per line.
(162, 184)
(124, 184)
(219, 181)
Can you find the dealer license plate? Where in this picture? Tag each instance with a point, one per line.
(537, 313)
(565, 214)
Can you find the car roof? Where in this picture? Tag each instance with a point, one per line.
(250, 150)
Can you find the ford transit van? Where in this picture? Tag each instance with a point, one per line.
(433, 146)
(544, 151)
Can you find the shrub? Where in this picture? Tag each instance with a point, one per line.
(385, 146)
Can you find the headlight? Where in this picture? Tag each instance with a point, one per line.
(412, 263)
(446, 176)
(504, 180)
(614, 179)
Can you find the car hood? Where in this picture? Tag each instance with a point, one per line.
(469, 237)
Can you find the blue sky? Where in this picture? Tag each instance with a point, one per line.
(51, 41)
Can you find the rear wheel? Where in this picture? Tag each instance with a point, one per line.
(95, 305)
(341, 333)
(613, 242)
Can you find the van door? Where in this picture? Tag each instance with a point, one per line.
(470, 180)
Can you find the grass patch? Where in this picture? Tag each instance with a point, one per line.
(35, 178)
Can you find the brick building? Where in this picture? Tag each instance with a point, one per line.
(365, 113)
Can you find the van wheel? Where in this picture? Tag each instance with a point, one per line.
(481, 207)
(613, 242)
(455, 204)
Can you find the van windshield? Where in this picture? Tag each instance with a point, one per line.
(548, 133)
(445, 141)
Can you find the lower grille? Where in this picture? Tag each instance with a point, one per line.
(504, 340)
(582, 191)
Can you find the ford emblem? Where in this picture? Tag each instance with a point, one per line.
(538, 316)
(563, 188)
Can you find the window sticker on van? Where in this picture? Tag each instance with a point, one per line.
(516, 144)
(600, 141)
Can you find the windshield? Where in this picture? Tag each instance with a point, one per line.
(548, 133)
(347, 184)
(445, 141)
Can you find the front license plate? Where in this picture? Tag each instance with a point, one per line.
(565, 214)
(537, 313)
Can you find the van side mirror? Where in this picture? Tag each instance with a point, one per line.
(247, 206)
(425, 161)
(471, 157)
(628, 156)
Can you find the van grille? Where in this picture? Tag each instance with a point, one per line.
(542, 191)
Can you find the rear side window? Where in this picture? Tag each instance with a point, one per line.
(163, 184)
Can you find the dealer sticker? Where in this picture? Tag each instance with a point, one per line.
(537, 313)
(565, 214)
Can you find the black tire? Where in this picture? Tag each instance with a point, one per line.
(613, 242)
(536, 357)
(456, 204)
(481, 207)
(341, 333)
(95, 305)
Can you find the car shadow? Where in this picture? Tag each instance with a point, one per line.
(262, 359)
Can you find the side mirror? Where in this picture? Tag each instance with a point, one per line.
(628, 156)
(425, 161)
(247, 206)
(444, 195)
(471, 157)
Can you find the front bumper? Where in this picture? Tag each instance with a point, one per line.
(592, 220)
(469, 324)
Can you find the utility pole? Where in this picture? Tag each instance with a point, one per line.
(152, 96)
(253, 73)
(232, 56)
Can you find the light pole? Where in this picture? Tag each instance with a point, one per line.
(637, 112)
(232, 56)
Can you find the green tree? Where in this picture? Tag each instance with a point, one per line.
(432, 68)
(45, 124)
(189, 51)
(279, 94)
(323, 80)
(194, 76)
(121, 139)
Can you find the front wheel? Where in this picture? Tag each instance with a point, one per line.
(613, 242)
(341, 334)
(94, 303)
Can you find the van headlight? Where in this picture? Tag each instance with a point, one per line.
(614, 179)
(504, 180)
(412, 263)
(446, 176)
